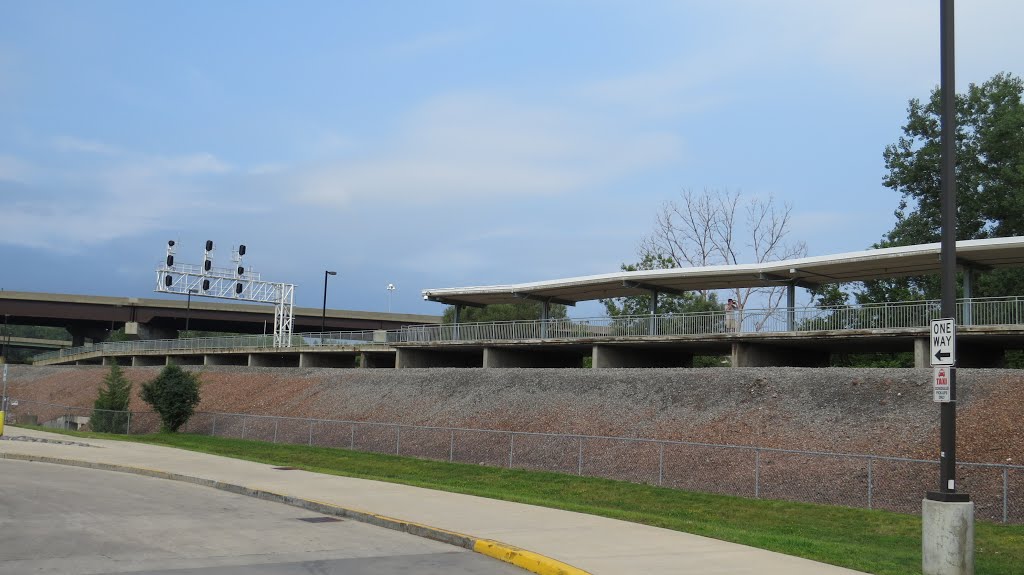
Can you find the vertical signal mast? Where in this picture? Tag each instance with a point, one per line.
(227, 283)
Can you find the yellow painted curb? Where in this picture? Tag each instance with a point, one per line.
(528, 560)
(533, 562)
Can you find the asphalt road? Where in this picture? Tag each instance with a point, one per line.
(76, 521)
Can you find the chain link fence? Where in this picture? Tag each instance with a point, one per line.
(852, 480)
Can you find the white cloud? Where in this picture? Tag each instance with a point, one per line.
(79, 145)
(118, 195)
(879, 48)
(195, 164)
(477, 146)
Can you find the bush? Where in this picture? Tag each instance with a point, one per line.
(174, 395)
(110, 410)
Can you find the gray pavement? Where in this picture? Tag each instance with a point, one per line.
(63, 520)
(594, 544)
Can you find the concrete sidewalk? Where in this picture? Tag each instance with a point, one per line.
(595, 545)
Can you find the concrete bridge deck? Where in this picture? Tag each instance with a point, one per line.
(978, 346)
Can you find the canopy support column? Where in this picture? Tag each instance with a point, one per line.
(653, 329)
(791, 307)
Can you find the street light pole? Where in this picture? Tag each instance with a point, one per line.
(188, 308)
(323, 316)
(391, 288)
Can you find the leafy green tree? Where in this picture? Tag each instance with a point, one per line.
(110, 410)
(174, 395)
(990, 182)
(39, 332)
(829, 295)
(667, 303)
(525, 310)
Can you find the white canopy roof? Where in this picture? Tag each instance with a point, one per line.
(854, 266)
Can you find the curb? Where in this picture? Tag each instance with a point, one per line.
(528, 560)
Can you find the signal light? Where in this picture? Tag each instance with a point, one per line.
(241, 270)
(238, 288)
(206, 285)
(170, 260)
(207, 264)
(241, 250)
(209, 245)
(170, 243)
(168, 280)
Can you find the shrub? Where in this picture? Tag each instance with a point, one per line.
(110, 410)
(174, 395)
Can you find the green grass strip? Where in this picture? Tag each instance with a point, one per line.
(873, 541)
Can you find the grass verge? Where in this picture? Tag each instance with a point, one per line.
(879, 542)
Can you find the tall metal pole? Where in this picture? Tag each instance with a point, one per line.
(947, 414)
(323, 315)
(188, 309)
(7, 335)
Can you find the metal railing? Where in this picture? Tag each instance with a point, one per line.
(848, 479)
(917, 314)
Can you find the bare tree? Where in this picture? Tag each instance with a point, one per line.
(705, 229)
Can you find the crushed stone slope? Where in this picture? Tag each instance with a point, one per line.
(879, 411)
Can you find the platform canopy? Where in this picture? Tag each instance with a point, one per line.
(805, 272)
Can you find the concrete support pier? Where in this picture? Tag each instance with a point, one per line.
(605, 356)
(947, 538)
(760, 355)
(921, 349)
(137, 330)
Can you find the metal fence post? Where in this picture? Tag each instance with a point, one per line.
(352, 437)
(213, 432)
(243, 427)
(511, 447)
(310, 432)
(128, 426)
(275, 430)
(757, 473)
(398, 438)
(579, 462)
(661, 464)
(870, 482)
(451, 447)
(1006, 493)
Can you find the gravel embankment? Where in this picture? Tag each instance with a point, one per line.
(878, 411)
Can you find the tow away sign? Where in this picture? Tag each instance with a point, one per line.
(940, 384)
(942, 339)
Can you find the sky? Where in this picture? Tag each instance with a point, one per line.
(445, 143)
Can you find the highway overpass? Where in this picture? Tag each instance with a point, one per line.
(93, 317)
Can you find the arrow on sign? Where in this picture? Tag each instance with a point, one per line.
(941, 355)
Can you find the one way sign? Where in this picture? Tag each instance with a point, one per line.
(942, 350)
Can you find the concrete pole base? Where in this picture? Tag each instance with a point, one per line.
(947, 538)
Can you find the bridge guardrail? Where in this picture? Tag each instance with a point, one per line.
(973, 311)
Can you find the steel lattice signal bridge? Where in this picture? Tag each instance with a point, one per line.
(226, 283)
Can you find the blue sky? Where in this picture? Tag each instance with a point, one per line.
(443, 144)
